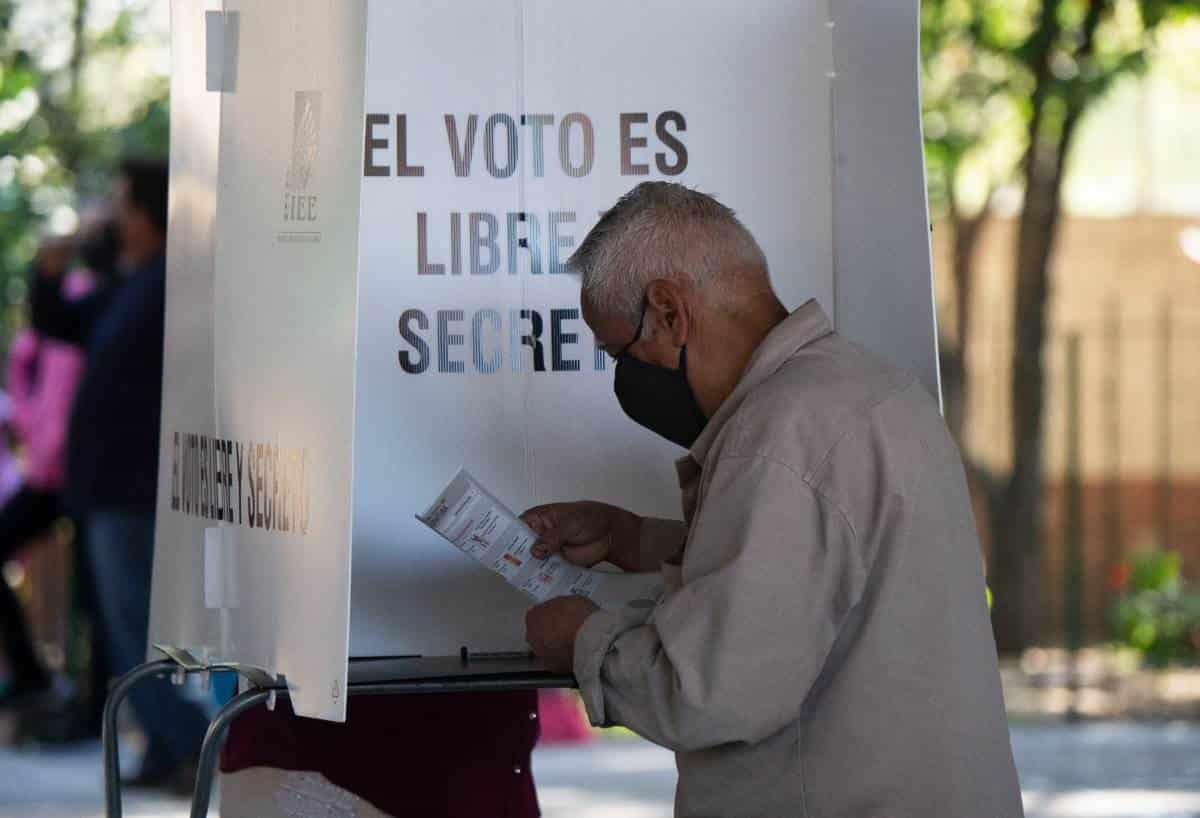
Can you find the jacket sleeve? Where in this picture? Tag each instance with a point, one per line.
(768, 577)
(661, 540)
(61, 368)
(22, 357)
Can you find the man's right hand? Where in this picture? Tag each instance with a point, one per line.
(586, 533)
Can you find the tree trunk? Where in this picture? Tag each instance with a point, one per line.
(74, 152)
(62, 111)
(964, 239)
(1016, 509)
(1016, 505)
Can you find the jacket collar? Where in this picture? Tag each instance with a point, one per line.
(805, 325)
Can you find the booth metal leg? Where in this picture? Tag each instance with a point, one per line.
(112, 762)
(206, 769)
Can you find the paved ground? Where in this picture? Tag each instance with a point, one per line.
(1105, 770)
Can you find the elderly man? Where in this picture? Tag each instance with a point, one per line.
(823, 646)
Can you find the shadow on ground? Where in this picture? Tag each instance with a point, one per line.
(1100, 770)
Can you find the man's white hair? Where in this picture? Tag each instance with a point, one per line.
(663, 230)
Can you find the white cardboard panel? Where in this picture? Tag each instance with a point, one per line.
(413, 594)
(751, 88)
(280, 314)
(884, 278)
(178, 614)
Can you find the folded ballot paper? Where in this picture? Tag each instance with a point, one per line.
(485, 529)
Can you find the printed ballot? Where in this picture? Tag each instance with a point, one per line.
(485, 529)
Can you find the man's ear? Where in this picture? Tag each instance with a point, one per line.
(668, 302)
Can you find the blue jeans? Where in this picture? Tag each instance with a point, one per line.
(120, 547)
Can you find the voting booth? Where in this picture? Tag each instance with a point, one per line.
(371, 207)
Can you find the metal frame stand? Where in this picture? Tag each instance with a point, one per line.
(208, 751)
(108, 730)
(262, 691)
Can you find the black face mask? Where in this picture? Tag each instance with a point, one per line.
(656, 397)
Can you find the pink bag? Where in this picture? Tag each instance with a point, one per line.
(43, 375)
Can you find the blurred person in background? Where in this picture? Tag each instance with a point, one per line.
(112, 456)
(42, 377)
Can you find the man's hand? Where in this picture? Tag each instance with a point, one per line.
(550, 630)
(585, 533)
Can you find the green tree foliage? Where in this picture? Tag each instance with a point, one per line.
(77, 91)
(1157, 613)
(1006, 84)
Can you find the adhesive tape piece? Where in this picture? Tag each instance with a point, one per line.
(220, 569)
(214, 50)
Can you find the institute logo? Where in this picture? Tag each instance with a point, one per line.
(306, 140)
(301, 206)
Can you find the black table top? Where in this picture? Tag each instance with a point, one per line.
(430, 674)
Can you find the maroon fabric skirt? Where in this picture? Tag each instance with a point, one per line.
(459, 755)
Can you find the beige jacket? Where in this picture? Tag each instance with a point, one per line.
(824, 647)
